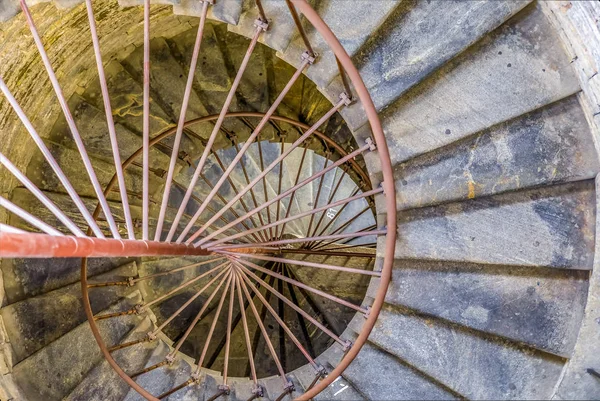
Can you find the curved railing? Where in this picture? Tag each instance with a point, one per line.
(256, 230)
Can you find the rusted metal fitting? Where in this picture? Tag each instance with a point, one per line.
(382, 187)
(306, 56)
(170, 358)
(289, 387)
(321, 372)
(139, 309)
(371, 144)
(185, 157)
(258, 390)
(347, 345)
(151, 336)
(366, 315)
(346, 98)
(259, 23)
(196, 376)
(224, 388)
(131, 283)
(159, 172)
(210, 2)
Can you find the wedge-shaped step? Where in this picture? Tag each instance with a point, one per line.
(353, 25)
(550, 145)
(226, 10)
(381, 376)
(24, 278)
(54, 371)
(419, 38)
(551, 226)
(103, 383)
(514, 70)
(38, 321)
(473, 365)
(538, 306)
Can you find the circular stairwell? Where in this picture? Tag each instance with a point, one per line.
(492, 140)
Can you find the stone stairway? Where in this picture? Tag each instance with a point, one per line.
(494, 166)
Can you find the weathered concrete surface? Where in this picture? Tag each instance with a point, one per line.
(102, 382)
(471, 364)
(514, 70)
(58, 368)
(537, 306)
(550, 145)
(552, 226)
(37, 321)
(381, 376)
(226, 10)
(577, 382)
(418, 39)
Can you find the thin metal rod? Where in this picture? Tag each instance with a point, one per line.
(331, 196)
(214, 322)
(148, 369)
(109, 119)
(329, 252)
(215, 131)
(261, 325)
(264, 181)
(244, 148)
(29, 218)
(302, 285)
(228, 334)
(261, 10)
(303, 325)
(146, 124)
(343, 226)
(51, 160)
(181, 122)
(298, 216)
(5, 228)
(301, 240)
(295, 307)
(281, 196)
(278, 319)
(264, 172)
(321, 180)
(176, 389)
(178, 269)
(305, 263)
(41, 196)
(246, 331)
(188, 302)
(70, 121)
(289, 206)
(279, 180)
(333, 218)
(198, 316)
(188, 283)
(343, 76)
(127, 344)
(298, 23)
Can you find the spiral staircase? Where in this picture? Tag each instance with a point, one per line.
(334, 200)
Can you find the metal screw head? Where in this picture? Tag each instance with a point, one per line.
(170, 359)
(258, 390)
(259, 23)
(151, 336)
(347, 345)
(225, 388)
(371, 144)
(346, 98)
(306, 56)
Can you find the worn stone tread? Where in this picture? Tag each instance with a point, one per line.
(551, 226)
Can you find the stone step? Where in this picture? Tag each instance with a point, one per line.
(537, 306)
(102, 382)
(228, 11)
(525, 152)
(54, 371)
(418, 39)
(551, 226)
(492, 368)
(499, 70)
(353, 26)
(40, 320)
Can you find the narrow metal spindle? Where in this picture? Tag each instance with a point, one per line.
(264, 172)
(5, 228)
(286, 193)
(146, 124)
(187, 303)
(228, 334)
(109, 119)
(301, 240)
(319, 244)
(299, 310)
(213, 324)
(198, 317)
(178, 269)
(300, 28)
(246, 331)
(279, 180)
(302, 285)
(264, 181)
(300, 316)
(321, 181)
(259, 29)
(28, 217)
(186, 284)
(336, 215)
(297, 216)
(304, 263)
(261, 325)
(51, 160)
(247, 145)
(331, 196)
(279, 320)
(41, 196)
(289, 206)
(70, 121)
(181, 122)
